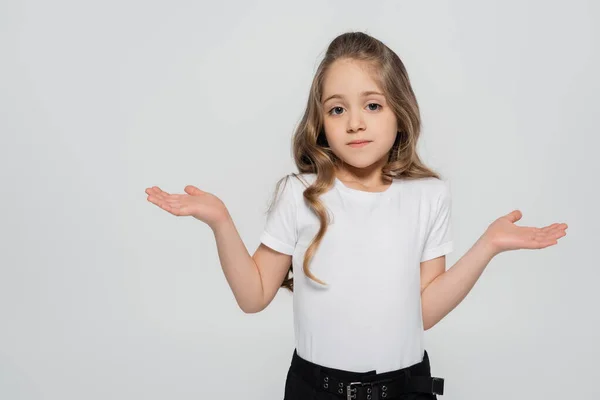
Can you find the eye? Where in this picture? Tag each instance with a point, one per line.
(334, 108)
(331, 112)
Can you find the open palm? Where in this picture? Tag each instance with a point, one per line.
(504, 235)
(199, 204)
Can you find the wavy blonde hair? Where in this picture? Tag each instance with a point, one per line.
(311, 150)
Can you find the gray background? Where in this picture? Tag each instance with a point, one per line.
(105, 296)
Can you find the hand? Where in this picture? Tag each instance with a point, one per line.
(201, 205)
(503, 234)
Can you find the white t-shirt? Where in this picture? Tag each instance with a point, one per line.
(368, 317)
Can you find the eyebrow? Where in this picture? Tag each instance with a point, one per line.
(339, 96)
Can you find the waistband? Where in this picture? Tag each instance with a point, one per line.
(311, 372)
(367, 385)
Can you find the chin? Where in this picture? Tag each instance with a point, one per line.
(360, 162)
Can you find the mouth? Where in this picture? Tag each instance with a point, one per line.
(359, 143)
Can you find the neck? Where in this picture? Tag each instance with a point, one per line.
(368, 177)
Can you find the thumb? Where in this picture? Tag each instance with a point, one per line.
(192, 190)
(514, 216)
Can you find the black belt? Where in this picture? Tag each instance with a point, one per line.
(381, 389)
(371, 386)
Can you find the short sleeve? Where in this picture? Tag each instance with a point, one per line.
(439, 239)
(280, 231)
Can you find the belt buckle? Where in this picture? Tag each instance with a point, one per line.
(437, 389)
(350, 390)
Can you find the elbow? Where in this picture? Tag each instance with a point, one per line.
(253, 304)
(428, 325)
(252, 308)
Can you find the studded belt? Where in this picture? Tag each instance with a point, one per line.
(382, 389)
(368, 386)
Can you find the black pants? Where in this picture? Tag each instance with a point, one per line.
(303, 380)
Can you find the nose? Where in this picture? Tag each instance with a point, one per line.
(356, 122)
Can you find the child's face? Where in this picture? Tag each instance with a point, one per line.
(355, 116)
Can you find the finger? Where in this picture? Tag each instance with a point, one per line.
(174, 209)
(557, 231)
(159, 191)
(562, 226)
(166, 196)
(556, 226)
(543, 230)
(549, 227)
(171, 209)
(550, 235)
(155, 200)
(541, 243)
(173, 198)
(193, 190)
(160, 197)
(548, 243)
(558, 235)
(155, 191)
(546, 228)
(151, 191)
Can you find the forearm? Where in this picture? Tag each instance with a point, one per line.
(445, 292)
(239, 267)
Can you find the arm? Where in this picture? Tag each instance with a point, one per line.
(254, 280)
(449, 288)
(239, 268)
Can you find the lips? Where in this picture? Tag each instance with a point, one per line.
(359, 141)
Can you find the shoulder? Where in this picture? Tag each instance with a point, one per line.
(299, 181)
(307, 178)
(429, 187)
(292, 185)
(431, 193)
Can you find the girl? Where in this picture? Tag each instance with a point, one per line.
(364, 227)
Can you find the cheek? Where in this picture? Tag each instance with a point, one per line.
(390, 121)
(391, 127)
(335, 134)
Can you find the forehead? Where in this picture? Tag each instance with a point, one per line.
(349, 77)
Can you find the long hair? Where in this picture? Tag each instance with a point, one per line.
(311, 150)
